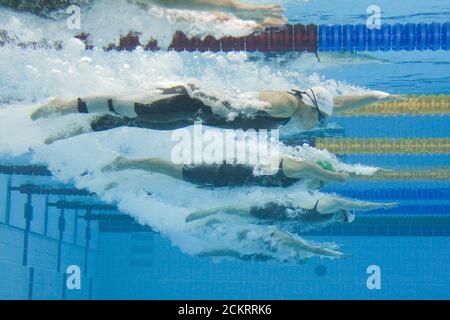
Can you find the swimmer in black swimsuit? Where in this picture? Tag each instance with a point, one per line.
(273, 239)
(325, 209)
(182, 105)
(290, 171)
(271, 242)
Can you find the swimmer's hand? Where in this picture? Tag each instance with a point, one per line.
(384, 96)
(390, 205)
(110, 186)
(398, 97)
(272, 22)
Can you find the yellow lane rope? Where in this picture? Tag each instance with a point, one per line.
(384, 146)
(415, 105)
(439, 174)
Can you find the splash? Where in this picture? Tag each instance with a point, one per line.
(30, 77)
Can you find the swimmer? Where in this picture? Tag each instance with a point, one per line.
(290, 171)
(180, 106)
(263, 15)
(274, 241)
(327, 208)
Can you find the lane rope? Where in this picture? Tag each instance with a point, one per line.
(384, 146)
(415, 105)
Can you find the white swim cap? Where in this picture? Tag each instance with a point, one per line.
(323, 97)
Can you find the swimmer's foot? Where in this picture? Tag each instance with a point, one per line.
(44, 110)
(53, 139)
(200, 215)
(117, 164)
(55, 107)
(48, 109)
(110, 186)
(73, 132)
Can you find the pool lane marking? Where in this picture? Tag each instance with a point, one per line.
(415, 105)
(436, 174)
(384, 146)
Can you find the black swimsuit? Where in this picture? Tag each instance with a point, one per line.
(233, 175)
(299, 95)
(179, 110)
(278, 211)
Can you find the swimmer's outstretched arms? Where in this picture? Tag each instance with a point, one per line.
(290, 171)
(325, 209)
(181, 105)
(274, 241)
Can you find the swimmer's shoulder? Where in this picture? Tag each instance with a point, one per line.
(279, 104)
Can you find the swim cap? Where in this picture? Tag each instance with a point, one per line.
(326, 165)
(324, 100)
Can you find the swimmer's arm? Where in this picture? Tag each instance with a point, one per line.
(239, 211)
(279, 104)
(94, 104)
(153, 165)
(298, 169)
(193, 4)
(220, 5)
(339, 203)
(348, 103)
(300, 244)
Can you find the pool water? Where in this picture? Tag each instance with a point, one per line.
(120, 258)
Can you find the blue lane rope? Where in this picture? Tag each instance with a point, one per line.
(395, 37)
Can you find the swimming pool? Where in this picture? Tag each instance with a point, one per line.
(158, 259)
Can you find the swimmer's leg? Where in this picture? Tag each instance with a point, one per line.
(101, 123)
(102, 104)
(55, 107)
(298, 168)
(244, 212)
(73, 132)
(153, 165)
(235, 254)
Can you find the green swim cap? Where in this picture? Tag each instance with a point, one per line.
(326, 165)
